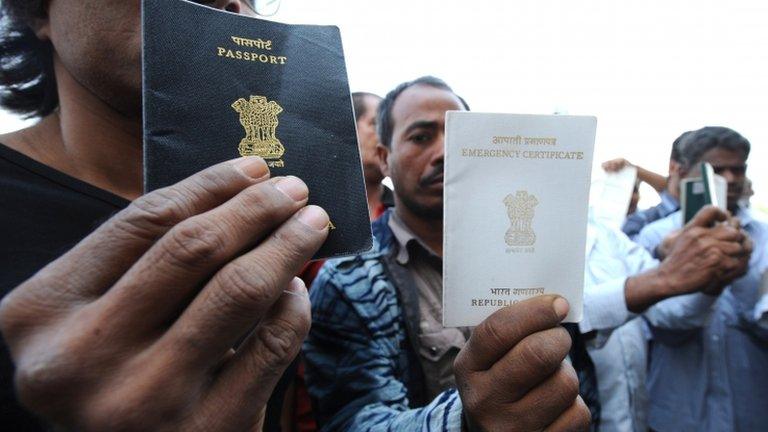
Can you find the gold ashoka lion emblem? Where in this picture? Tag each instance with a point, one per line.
(259, 119)
(521, 209)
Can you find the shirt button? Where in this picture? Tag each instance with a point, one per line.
(715, 338)
(433, 350)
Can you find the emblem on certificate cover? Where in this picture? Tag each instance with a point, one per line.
(521, 209)
(259, 119)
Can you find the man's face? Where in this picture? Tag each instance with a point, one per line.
(731, 165)
(415, 160)
(99, 43)
(366, 135)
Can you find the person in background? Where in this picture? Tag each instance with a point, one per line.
(669, 191)
(379, 196)
(378, 357)
(622, 281)
(709, 363)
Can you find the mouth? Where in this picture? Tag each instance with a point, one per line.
(434, 182)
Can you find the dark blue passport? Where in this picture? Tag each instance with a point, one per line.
(217, 86)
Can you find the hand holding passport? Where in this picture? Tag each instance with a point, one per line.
(219, 85)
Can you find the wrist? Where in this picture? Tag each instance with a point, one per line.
(646, 289)
(666, 283)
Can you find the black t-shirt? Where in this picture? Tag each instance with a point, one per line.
(43, 213)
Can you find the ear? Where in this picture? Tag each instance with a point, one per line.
(675, 168)
(382, 154)
(42, 25)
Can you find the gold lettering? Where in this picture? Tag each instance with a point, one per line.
(252, 43)
(222, 51)
(230, 54)
(282, 59)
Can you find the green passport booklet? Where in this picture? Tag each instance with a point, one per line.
(217, 86)
(697, 192)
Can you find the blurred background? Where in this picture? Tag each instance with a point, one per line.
(648, 70)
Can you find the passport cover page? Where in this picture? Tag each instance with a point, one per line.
(218, 86)
(516, 198)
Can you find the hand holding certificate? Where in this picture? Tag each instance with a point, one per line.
(516, 196)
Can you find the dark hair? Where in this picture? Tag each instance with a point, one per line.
(358, 103)
(27, 81)
(384, 124)
(675, 156)
(695, 144)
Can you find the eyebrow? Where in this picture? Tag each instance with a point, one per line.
(421, 124)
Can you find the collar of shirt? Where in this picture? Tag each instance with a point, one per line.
(406, 239)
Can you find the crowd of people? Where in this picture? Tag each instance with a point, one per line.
(181, 309)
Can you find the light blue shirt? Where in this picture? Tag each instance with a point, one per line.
(619, 351)
(709, 361)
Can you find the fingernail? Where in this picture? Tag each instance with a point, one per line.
(561, 307)
(297, 288)
(252, 166)
(314, 217)
(293, 187)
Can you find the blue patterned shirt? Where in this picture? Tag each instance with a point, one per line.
(360, 373)
(639, 219)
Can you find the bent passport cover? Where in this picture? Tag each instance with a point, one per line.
(217, 86)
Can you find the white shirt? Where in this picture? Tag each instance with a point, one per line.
(619, 350)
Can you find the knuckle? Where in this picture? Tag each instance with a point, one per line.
(9, 318)
(192, 243)
(473, 402)
(149, 215)
(262, 196)
(460, 367)
(292, 244)
(26, 309)
(214, 179)
(489, 335)
(43, 375)
(241, 286)
(537, 355)
(583, 416)
(281, 341)
(568, 383)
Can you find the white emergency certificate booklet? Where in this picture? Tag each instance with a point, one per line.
(516, 198)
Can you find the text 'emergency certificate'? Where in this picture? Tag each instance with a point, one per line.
(516, 198)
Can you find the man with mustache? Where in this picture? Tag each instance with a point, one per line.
(709, 362)
(378, 357)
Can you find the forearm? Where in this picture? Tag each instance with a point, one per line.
(604, 309)
(657, 181)
(686, 312)
(645, 290)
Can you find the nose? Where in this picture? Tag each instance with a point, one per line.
(234, 6)
(729, 176)
(438, 154)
